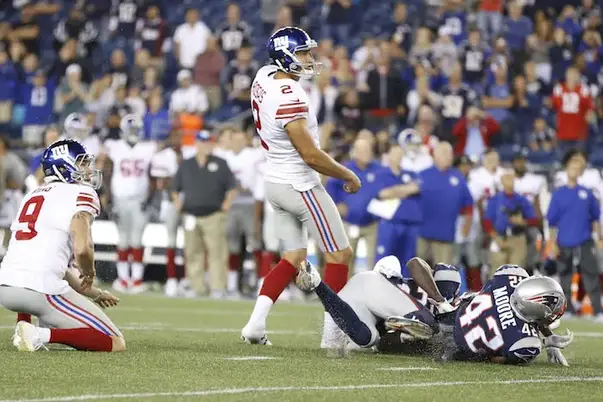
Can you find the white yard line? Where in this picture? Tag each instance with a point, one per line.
(407, 368)
(235, 391)
(246, 358)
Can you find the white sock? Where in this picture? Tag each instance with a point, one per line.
(123, 270)
(259, 285)
(260, 311)
(137, 271)
(232, 284)
(44, 334)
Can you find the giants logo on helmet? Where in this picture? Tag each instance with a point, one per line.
(60, 151)
(281, 42)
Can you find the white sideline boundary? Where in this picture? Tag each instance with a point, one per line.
(235, 391)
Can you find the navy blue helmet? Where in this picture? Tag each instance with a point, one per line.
(69, 162)
(283, 46)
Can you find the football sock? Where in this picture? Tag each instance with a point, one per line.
(336, 276)
(171, 263)
(24, 317)
(137, 265)
(278, 279)
(448, 281)
(123, 266)
(234, 265)
(81, 339)
(266, 263)
(343, 315)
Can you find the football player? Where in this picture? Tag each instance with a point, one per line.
(55, 222)
(373, 299)
(76, 127)
(129, 177)
(416, 154)
(289, 132)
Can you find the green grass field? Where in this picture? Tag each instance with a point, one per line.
(190, 350)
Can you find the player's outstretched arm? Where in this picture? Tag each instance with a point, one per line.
(83, 247)
(318, 159)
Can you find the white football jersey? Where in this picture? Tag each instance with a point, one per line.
(275, 103)
(591, 179)
(417, 163)
(164, 163)
(130, 178)
(244, 166)
(40, 247)
(530, 185)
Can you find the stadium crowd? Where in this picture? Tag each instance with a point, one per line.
(502, 81)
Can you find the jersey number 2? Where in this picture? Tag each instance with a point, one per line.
(474, 310)
(29, 214)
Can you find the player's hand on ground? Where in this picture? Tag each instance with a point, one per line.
(556, 357)
(106, 299)
(352, 184)
(559, 341)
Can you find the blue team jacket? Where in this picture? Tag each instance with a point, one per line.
(572, 211)
(409, 210)
(502, 204)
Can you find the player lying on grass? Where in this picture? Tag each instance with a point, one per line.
(52, 227)
(369, 301)
(465, 339)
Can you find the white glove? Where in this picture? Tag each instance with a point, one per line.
(556, 357)
(559, 341)
(442, 307)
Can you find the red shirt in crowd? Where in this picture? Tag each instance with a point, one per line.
(491, 5)
(572, 106)
(487, 126)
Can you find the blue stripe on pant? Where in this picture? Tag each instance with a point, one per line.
(397, 239)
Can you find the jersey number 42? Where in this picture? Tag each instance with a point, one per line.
(489, 334)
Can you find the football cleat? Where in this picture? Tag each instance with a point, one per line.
(307, 278)
(138, 287)
(27, 338)
(121, 286)
(413, 327)
(254, 337)
(171, 287)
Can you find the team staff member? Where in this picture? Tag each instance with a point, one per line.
(444, 196)
(573, 217)
(203, 190)
(398, 236)
(507, 219)
(359, 223)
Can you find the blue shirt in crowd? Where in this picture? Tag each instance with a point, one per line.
(498, 92)
(8, 80)
(444, 196)
(157, 125)
(409, 210)
(357, 203)
(572, 211)
(456, 22)
(517, 31)
(502, 205)
(39, 103)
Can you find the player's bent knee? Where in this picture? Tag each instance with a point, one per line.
(119, 344)
(343, 256)
(295, 257)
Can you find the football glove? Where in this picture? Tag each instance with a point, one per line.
(556, 357)
(559, 341)
(442, 307)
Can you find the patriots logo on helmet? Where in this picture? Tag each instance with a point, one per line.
(550, 301)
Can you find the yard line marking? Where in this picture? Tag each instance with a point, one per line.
(407, 368)
(246, 358)
(234, 391)
(589, 334)
(198, 311)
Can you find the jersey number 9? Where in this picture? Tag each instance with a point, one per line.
(29, 214)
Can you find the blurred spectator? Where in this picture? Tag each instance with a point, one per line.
(421, 49)
(97, 9)
(343, 75)
(417, 145)
(75, 27)
(526, 107)
(233, 33)
(348, 112)
(190, 39)
(67, 57)
(454, 20)
(474, 59)
(39, 106)
(73, 93)
(25, 32)
(456, 97)
(364, 59)
(489, 17)
(29, 68)
(589, 14)
(444, 51)
(385, 100)
(118, 69)
(336, 15)
(239, 76)
(498, 99)
(574, 106)
(124, 16)
(592, 51)
(150, 82)
(13, 169)
(535, 86)
(440, 182)
(152, 33)
(157, 119)
(284, 18)
(203, 191)
(268, 11)
(543, 137)
(188, 97)
(36, 176)
(118, 110)
(402, 29)
(539, 46)
(208, 68)
(500, 53)
(323, 96)
(359, 223)
(135, 101)
(516, 27)
(142, 61)
(421, 95)
(573, 217)
(102, 97)
(8, 85)
(507, 218)
(569, 22)
(299, 12)
(474, 132)
(561, 54)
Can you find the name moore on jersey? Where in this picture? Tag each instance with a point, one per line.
(487, 327)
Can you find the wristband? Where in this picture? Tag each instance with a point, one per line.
(99, 296)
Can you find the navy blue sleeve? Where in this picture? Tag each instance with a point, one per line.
(527, 209)
(552, 214)
(594, 207)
